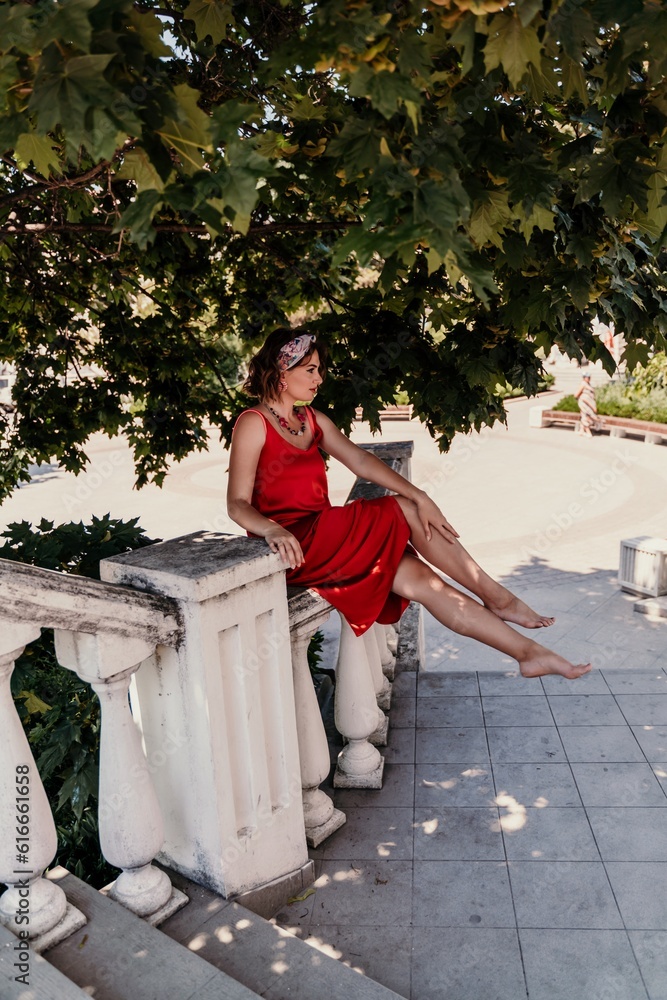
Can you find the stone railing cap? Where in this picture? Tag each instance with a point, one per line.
(390, 449)
(194, 567)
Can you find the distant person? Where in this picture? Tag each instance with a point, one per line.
(370, 557)
(585, 396)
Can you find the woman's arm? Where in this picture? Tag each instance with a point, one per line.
(368, 466)
(247, 442)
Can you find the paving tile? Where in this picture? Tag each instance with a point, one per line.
(586, 710)
(457, 834)
(451, 745)
(439, 685)
(454, 785)
(401, 746)
(650, 948)
(554, 834)
(398, 789)
(636, 681)
(580, 965)
(537, 784)
(653, 741)
(521, 744)
(634, 884)
(593, 744)
(507, 682)
(591, 683)
(461, 894)
(644, 709)
(372, 833)
(369, 893)
(463, 963)
(618, 785)
(402, 713)
(660, 771)
(517, 710)
(381, 953)
(405, 684)
(438, 712)
(630, 834)
(562, 894)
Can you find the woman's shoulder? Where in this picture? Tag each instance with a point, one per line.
(254, 423)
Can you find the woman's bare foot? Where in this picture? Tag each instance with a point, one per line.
(543, 662)
(516, 611)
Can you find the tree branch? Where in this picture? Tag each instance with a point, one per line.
(40, 228)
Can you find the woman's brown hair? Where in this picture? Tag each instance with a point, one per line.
(264, 373)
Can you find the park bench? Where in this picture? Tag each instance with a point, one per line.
(652, 432)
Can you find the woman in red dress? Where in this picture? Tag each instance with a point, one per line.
(363, 557)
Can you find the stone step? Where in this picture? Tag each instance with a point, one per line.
(41, 981)
(118, 956)
(267, 958)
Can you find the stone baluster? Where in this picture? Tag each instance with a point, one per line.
(380, 682)
(31, 907)
(391, 632)
(360, 764)
(381, 687)
(130, 821)
(307, 612)
(387, 658)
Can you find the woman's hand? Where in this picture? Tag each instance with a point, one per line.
(430, 516)
(285, 544)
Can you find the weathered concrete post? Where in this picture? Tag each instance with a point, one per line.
(217, 713)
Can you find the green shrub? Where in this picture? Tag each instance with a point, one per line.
(619, 400)
(60, 712)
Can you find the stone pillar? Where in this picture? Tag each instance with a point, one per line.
(307, 611)
(31, 906)
(217, 713)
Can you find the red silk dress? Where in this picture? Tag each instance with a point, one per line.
(351, 553)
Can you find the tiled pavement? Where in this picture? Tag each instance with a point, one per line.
(518, 847)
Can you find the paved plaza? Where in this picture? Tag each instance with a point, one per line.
(518, 846)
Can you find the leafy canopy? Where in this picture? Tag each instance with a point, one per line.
(444, 187)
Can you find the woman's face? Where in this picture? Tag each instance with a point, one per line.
(304, 379)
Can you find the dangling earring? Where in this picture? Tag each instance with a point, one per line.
(282, 385)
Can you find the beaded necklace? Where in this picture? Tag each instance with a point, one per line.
(284, 424)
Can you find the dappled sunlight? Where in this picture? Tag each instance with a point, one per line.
(224, 934)
(515, 818)
(279, 967)
(541, 802)
(199, 941)
(243, 924)
(429, 826)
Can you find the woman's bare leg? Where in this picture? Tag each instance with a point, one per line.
(456, 562)
(460, 613)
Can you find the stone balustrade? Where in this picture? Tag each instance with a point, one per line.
(215, 770)
(103, 633)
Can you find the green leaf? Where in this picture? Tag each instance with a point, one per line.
(357, 145)
(39, 150)
(69, 23)
(65, 91)
(541, 217)
(227, 119)
(150, 30)
(491, 214)
(16, 28)
(138, 217)
(190, 132)
(579, 287)
(34, 705)
(387, 91)
(511, 46)
(211, 17)
(138, 167)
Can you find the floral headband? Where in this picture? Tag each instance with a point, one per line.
(294, 350)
